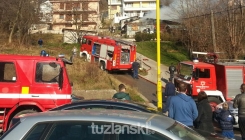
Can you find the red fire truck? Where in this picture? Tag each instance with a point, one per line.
(111, 54)
(31, 84)
(220, 80)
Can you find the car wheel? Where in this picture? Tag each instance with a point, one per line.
(213, 101)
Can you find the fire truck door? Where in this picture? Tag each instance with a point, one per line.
(9, 84)
(205, 82)
(45, 87)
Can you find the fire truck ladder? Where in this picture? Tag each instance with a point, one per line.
(2, 115)
(118, 59)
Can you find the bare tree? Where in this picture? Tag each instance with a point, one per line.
(228, 24)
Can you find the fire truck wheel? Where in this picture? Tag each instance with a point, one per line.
(102, 65)
(213, 101)
(84, 57)
(25, 112)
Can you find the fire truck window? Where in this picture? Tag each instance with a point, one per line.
(125, 57)
(204, 73)
(7, 72)
(89, 42)
(47, 73)
(84, 41)
(110, 53)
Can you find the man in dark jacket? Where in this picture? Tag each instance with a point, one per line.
(169, 91)
(135, 67)
(122, 95)
(172, 69)
(182, 107)
(239, 102)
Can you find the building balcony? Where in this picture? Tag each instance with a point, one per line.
(139, 1)
(114, 2)
(139, 8)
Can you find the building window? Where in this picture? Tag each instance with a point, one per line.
(62, 5)
(61, 16)
(68, 25)
(85, 6)
(68, 6)
(76, 6)
(68, 17)
(114, 7)
(152, 4)
(77, 17)
(85, 17)
(129, 4)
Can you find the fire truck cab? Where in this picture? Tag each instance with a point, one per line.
(111, 54)
(220, 80)
(31, 84)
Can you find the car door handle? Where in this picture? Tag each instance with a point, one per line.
(34, 96)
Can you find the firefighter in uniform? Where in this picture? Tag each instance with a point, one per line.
(172, 69)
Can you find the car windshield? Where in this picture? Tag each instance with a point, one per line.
(186, 71)
(184, 132)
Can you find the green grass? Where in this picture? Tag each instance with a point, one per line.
(169, 52)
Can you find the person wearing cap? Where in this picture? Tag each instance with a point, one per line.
(121, 94)
(182, 107)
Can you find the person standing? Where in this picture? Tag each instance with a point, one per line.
(204, 121)
(121, 94)
(172, 69)
(226, 121)
(182, 107)
(40, 42)
(135, 67)
(169, 92)
(239, 102)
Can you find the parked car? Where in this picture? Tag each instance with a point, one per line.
(98, 125)
(106, 104)
(234, 111)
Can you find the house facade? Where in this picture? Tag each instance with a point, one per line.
(122, 9)
(75, 14)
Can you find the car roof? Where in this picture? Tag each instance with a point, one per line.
(97, 115)
(103, 102)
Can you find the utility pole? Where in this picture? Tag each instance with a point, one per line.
(213, 31)
(159, 82)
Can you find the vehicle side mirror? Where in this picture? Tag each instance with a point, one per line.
(196, 73)
(61, 78)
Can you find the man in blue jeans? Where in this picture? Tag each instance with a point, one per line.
(135, 67)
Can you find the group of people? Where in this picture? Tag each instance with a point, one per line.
(183, 108)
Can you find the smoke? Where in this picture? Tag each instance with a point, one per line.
(168, 11)
(166, 2)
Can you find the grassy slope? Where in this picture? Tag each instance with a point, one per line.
(169, 52)
(85, 76)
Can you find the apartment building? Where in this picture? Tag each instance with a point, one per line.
(75, 14)
(121, 9)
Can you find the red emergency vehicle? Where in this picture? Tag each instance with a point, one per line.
(111, 54)
(31, 84)
(220, 80)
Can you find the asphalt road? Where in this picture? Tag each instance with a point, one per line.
(148, 89)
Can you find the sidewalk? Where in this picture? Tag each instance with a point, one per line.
(151, 67)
